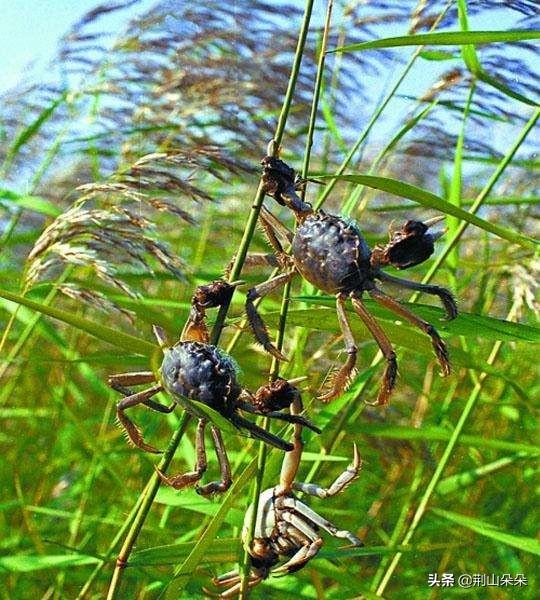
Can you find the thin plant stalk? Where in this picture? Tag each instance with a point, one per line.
(236, 269)
(273, 146)
(261, 459)
(445, 458)
(146, 499)
(119, 535)
(478, 202)
(345, 163)
(480, 380)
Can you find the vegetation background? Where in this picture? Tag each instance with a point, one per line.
(127, 176)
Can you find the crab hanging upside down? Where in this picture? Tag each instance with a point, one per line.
(287, 530)
(331, 253)
(197, 374)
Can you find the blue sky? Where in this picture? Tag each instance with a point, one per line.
(30, 30)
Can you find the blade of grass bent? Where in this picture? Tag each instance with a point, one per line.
(446, 38)
(486, 529)
(482, 196)
(443, 461)
(122, 340)
(430, 200)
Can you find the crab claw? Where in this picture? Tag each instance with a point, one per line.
(279, 182)
(410, 246)
(296, 380)
(237, 283)
(430, 222)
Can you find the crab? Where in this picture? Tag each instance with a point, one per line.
(286, 529)
(330, 252)
(197, 374)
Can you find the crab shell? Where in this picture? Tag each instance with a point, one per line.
(268, 514)
(266, 517)
(332, 254)
(201, 372)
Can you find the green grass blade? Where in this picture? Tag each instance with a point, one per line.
(457, 482)
(190, 500)
(467, 324)
(470, 57)
(446, 38)
(221, 551)
(350, 204)
(28, 132)
(29, 563)
(486, 529)
(128, 343)
(430, 200)
(33, 203)
(439, 434)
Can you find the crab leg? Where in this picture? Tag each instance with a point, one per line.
(276, 414)
(343, 480)
(439, 346)
(390, 373)
(226, 578)
(269, 221)
(273, 229)
(133, 432)
(158, 407)
(254, 259)
(311, 544)
(297, 419)
(191, 477)
(255, 321)
(119, 381)
(291, 460)
(445, 296)
(215, 487)
(134, 378)
(216, 294)
(260, 433)
(304, 511)
(233, 591)
(345, 374)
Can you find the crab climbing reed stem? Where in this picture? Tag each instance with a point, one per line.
(220, 320)
(274, 369)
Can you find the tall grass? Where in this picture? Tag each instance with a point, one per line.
(128, 178)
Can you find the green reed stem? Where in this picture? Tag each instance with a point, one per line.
(141, 510)
(149, 496)
(481, 198)
(274, 369)
(278, 136)
(345, 163)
